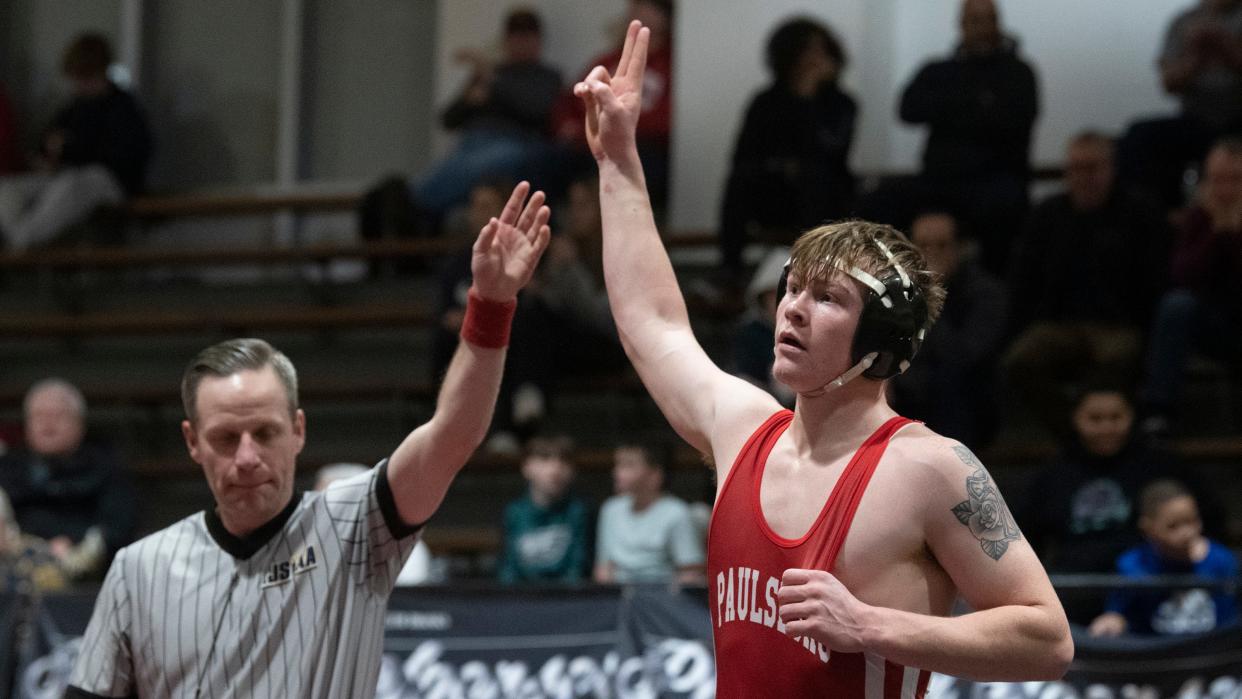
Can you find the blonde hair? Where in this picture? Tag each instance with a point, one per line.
(846, 244)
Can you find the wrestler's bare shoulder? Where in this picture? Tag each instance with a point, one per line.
(930, 458)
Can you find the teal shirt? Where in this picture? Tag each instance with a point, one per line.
(545, 544)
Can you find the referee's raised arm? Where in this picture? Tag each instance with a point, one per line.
(504, 258)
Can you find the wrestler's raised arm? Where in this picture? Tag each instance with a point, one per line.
(706, 405)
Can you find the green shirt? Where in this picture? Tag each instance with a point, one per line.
(545, 544)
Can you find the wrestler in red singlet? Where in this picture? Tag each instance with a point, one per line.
(754, 656)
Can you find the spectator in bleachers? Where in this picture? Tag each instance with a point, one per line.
(547, 531)
(487, 196)
(753, 336)
(1174, 545)
(1203, 311)
(1086, 274)
(502, 115)
(655, 124)
(65, 489)
(1083, 505)
(951, 387)
(1201, 64)
(790, 169)
(418, 567)
(94, 154)
(10, 152)
(646, 535)
(563, 327)
(979, 105)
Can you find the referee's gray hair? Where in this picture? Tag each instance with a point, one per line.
(70, 392)
(231, 356)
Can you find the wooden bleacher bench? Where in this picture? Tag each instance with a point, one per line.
(232, 320)
(151, 208)
(116, 257)
(600, 459)
(154, 208)
(462, 541)
(165, 393)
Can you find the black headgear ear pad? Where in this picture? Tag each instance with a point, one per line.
(891, 325)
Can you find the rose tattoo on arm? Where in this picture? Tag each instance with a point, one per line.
(984, 511)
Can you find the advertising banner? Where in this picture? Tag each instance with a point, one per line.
(616, 643)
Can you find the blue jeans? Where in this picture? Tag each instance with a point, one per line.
(478, 155)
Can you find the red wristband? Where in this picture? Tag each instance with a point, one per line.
(487, 322)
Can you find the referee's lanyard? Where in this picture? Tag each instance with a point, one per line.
(215, 635)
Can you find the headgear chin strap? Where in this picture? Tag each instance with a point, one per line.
(850, 374)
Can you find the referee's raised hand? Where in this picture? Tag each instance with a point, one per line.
(509, 247)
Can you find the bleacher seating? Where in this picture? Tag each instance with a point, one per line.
(354, 414)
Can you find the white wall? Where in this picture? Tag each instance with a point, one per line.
(211, 75)
(1094, 59)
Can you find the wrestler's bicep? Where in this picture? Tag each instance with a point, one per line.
(974, 536)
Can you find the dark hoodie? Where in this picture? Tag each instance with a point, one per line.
(1082, 510)
(980, 109)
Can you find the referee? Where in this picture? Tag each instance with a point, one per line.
(272, 594)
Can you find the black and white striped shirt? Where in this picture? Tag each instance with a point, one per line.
(295, 609)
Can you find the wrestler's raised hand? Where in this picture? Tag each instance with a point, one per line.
(508, 248)
(614, 101)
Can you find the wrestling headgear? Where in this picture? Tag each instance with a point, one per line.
(891, 326)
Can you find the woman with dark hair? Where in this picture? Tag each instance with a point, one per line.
(1082, 508)
(791, 163)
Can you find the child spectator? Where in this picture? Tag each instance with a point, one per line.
(546, 531)
(645, 534)
(1175, 545)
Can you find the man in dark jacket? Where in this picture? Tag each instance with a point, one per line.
(979, 104)
(94, 154)
(1087, 272)
(952, 386)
